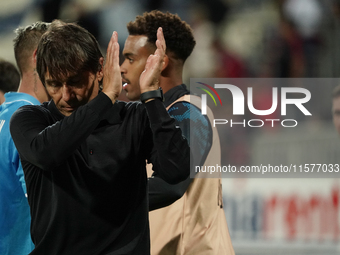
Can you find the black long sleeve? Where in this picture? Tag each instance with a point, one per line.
(171, 157)
(85, 173)
(161, 193)
(47, 146)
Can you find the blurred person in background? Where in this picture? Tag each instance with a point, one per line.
(15, 217)
(204, 229)
(9, 78)
(336, 108)
(295, 49)
(25, 48)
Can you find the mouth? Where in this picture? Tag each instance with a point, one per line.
(125, 85)
(68, 108)
(125, 82)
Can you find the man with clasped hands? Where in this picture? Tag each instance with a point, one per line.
(83, 153)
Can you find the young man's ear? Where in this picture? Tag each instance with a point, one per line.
(166, 62)
(100, 73)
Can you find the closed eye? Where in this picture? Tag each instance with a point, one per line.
(73, 82)
(53, 84)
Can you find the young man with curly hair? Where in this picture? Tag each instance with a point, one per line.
(187, 218)
(15, 216)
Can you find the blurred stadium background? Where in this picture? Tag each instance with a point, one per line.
(236, 39)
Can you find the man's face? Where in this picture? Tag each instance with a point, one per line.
(73, 91)
(136, 51)
(336, 113)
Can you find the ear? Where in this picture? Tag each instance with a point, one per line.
(34, 56)
(166, 62)
(100, 72)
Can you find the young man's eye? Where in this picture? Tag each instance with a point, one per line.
(130, 60)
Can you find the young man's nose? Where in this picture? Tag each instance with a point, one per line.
(123, 68)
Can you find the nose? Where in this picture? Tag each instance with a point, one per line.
(123, 68)
(67, 92)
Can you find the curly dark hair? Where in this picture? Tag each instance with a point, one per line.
(177, 33)
(9, 77)
(26, 41)
(65, 49)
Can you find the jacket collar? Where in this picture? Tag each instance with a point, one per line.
(173, 94)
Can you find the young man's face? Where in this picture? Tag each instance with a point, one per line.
(73, 91)
(136, 51)
(336, 113)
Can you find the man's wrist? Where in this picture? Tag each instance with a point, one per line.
(151, 95)
(112, 96)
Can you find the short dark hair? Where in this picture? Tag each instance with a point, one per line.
(26, 41)
(336, 92)
(67, 48)
(9, 77)
(177, 33)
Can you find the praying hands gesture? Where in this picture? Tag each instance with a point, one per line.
(112, 81)
(149, 79)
